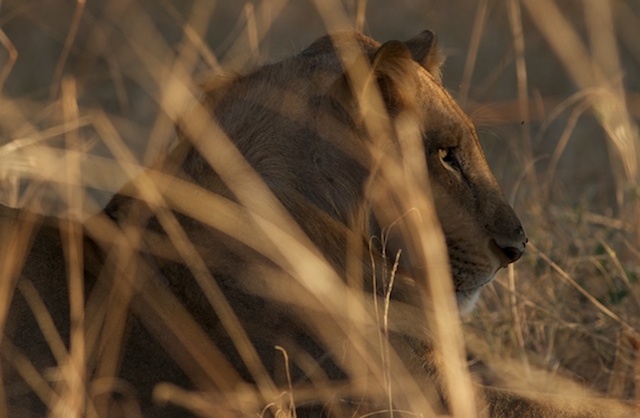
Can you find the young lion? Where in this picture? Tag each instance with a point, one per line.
(284, 240)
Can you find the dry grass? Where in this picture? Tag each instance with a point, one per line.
(91, 101)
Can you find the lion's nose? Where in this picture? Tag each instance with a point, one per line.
(512, 253)
(513, 248)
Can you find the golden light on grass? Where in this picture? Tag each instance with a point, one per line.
(572, 300)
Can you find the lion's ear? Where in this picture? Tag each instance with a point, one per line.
(393, 59)
(392, 68)
(424, 50)
(392, 72)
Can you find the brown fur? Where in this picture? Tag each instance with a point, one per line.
(311, 133)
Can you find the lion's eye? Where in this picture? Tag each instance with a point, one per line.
(448, 159)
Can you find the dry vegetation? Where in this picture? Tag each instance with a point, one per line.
(90, 93)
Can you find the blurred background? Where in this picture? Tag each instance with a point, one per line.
(552, 86)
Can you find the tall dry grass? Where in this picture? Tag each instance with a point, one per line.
(121, 74)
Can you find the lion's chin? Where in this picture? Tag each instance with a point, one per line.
(467, 298)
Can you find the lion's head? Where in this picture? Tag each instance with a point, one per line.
(483, 234)
(301, 124)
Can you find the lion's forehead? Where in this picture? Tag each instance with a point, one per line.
(439, 107)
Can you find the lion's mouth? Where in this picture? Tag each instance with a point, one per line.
(497, 256)
(474, 285)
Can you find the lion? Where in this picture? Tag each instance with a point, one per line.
(285, 206)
